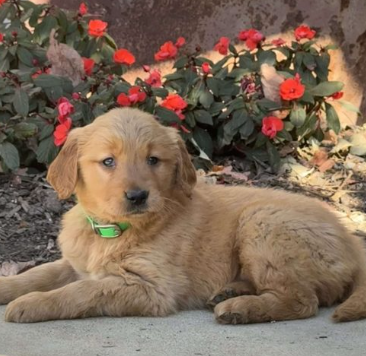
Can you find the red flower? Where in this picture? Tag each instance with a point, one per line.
(291, 89)
(83, 9)
(167, 51)
(337, 95)
(97, 28)
(251, 37)
(181, 41)
(88, 65)
(278, 42)
(304, 31)
(222, 46)
(2, 1)
(76, 96)
(61, 132)
(175, 103)
(123, 100)
(1, 37)
(65, 108)
(122, 56)
(154, 79)
(135, 95)
(271, 125)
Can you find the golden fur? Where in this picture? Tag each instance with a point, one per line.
(254, 255)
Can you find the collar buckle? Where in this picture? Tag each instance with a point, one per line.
(107, 231)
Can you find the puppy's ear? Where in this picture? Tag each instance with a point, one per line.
(63, 171)
(186, 173)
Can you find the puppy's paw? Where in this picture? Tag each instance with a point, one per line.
(232, 290)
(28, 308)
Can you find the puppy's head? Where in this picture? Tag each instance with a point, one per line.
(123, 165)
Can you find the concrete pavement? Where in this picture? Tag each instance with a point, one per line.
(189, 333)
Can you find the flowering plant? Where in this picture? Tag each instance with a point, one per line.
(219, 107)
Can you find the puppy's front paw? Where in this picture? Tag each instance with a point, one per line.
(28, 308)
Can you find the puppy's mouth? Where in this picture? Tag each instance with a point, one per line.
(137, 210)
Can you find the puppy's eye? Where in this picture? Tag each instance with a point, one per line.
(151, 161)
(109, 162)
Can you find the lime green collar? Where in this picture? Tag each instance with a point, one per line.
(108, 231)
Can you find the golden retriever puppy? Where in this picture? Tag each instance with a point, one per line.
(145, 239)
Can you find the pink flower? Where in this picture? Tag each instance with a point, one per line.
(76, 96)
(65, 108)
(304, 31)
(278, 42)
(146, 68)
(271, 125)
(180, 42)
(135, 95)
(154, 79)
(222, 46)
(251, 37)
(83, 9)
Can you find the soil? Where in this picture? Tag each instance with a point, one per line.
(30, 213)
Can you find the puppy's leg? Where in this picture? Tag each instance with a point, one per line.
(42, 278)
(110, 296)
(231, 290)
(267, 307)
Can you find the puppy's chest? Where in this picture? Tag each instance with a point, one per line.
(93, 256)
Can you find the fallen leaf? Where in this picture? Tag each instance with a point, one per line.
(319, 158)
(328, 164)
(12, 268)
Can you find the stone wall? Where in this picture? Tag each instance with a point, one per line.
(143, 25)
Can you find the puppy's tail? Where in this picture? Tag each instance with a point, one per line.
(354, 307)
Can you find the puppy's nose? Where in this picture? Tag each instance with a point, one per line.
(137, 197)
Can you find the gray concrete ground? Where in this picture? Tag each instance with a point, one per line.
(188, 333)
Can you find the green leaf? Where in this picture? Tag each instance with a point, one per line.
(46, 132)
(166, 116)
(247, 128)
(4, 11)
(214, 85)
(358, 142)
(307, 127)
(25, 129)
(47, 81)
(160, 92)
(9, 155)
(266, 57)
(349, 106)
(46, 151)
(273, 156)
(297, 116)
(206, 98)
(181, 63)
(322, 65)
(332, 118)
(21, 102)
(203, 140)
(42, 30)
(238, 73)
(4, 65)
(238, 119)
(268, 105)
(326, 88)
(203, 117)
(309, 61)
(216, 108)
